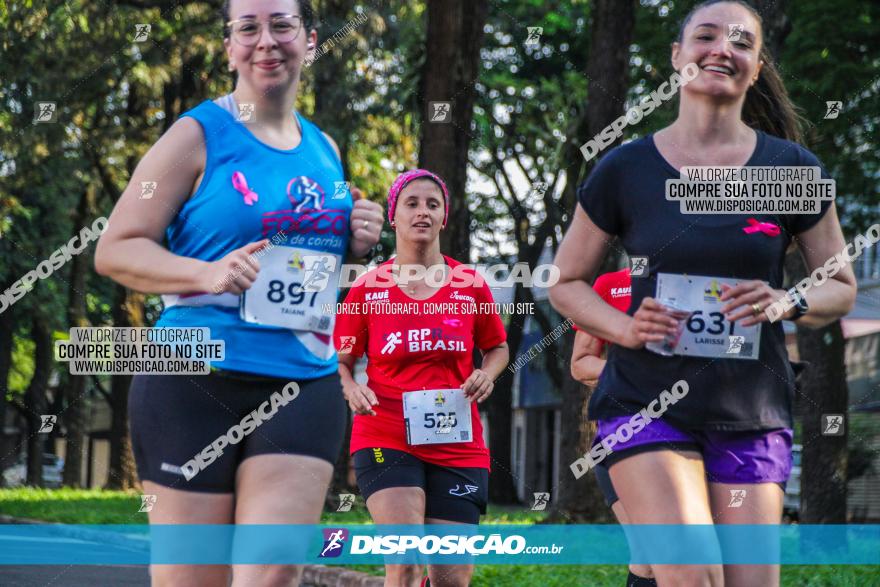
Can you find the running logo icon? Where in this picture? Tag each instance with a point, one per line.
(341, 189)
(832, 425)
(440, 111)
(246, 112)
(44, 112)
(318, 271)
(346, 500)
(439, 400)
(302, 191)
(535, 33)
(148, 189)
(392, 340)
(141, 33)
(334, 541)
(541, 501)
(737, 497)
(734, 32)
(832, 109)
(638, 266)
(147, 503)
(47, 423)
(346, 344)
(736, 344)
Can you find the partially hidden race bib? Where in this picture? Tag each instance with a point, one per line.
(292, 290)
(437, 416)
(707, 333)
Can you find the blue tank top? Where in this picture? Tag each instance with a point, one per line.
(251, 191)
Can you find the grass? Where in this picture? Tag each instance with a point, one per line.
(92, 506)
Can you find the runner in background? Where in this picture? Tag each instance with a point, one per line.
(587, 361)
(230, 177)
(721, 452)
(417, 439)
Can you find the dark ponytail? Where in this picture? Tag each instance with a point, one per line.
(767, 106)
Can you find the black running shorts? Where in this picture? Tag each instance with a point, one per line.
(457, 494)
(191, 433)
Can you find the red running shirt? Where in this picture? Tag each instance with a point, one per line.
(615, 289)
(411, 346)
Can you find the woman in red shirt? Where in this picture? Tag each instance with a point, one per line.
(417, 439)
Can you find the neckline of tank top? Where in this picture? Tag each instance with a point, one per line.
(433, 295)
(228, 104)
(756, 153)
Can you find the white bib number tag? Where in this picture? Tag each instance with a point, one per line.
(437, 416)
(292, 289)
(707, 333)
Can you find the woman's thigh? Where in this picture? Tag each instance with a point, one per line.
(173, 506)
(278, 489)
(759, 503)
(668, 487)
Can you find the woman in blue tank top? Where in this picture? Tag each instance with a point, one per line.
(251, 200)
(694, 404)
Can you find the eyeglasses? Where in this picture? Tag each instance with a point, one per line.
(283, 28)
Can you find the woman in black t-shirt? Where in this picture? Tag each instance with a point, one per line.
(702, 435)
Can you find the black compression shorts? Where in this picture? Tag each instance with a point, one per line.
(457, 494)
(178, 421)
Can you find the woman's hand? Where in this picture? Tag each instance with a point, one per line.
(478, 386)
(756, 296)
(361, 398)
(365, 223)
(650, 323)
(234, 273)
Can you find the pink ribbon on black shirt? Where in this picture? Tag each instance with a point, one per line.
(767, 228)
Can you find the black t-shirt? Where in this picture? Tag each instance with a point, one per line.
(625, 196)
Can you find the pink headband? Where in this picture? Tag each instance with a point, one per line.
(409, 176)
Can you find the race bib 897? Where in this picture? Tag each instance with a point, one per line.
(292, 288)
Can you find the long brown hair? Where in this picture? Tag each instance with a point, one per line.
(767, 106)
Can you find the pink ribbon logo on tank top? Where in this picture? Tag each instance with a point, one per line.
(767, 228)
(241, 186)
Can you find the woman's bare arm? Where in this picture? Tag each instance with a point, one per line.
(130, 251)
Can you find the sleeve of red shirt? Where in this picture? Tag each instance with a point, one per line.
(352, 321)
(488, 329)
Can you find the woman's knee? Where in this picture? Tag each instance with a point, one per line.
(689, 575)
(450, 575)
(273, 576)
(402, 575)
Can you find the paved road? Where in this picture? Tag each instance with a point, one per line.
(76, 576)
(73, 576)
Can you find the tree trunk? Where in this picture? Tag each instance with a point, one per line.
(74, 415)
(7, 324)
(451, 69)
(608, 70)
(128, 310)
(578, 500)
(823, 390)
(35, 397)
(502, 489)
